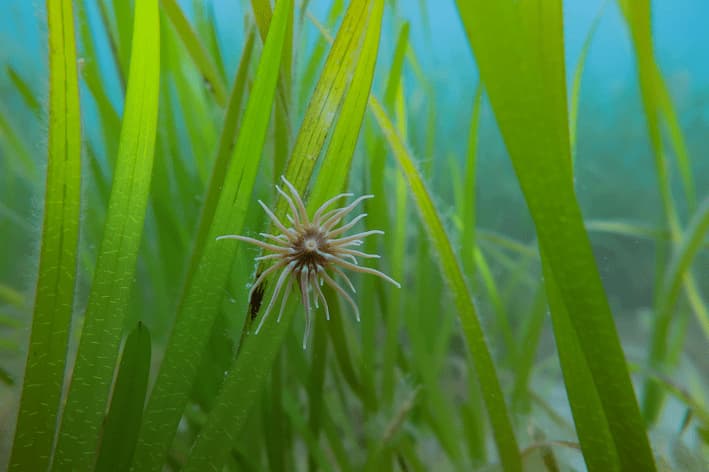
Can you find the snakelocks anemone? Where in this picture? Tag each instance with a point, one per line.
(310, 251)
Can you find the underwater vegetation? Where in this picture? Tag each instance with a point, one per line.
(527, 290)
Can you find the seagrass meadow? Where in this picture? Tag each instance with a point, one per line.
(348, 235)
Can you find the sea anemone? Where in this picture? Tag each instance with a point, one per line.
(308, 249)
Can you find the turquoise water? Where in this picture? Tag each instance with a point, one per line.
(615, 173)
